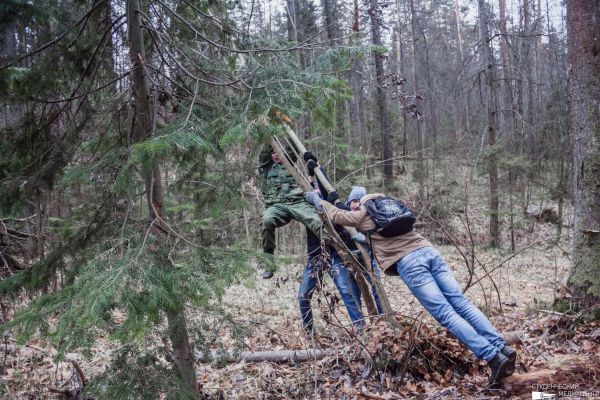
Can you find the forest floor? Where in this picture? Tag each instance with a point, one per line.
(420, 360)
(436, 367)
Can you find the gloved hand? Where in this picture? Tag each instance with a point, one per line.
(313, 199)
(309, 156)
(359, 238)
(311, 165)
(332, 197)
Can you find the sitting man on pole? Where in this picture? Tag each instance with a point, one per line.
(284, 201)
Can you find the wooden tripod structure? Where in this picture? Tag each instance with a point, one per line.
(347, 256)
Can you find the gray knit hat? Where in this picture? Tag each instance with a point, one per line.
(356, 194)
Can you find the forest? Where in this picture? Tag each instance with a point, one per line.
(197, 196)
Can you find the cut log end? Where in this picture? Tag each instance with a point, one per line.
(576, 377)
(7, 348)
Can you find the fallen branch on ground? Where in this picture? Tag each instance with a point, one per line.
(260, 356)
(293, 355)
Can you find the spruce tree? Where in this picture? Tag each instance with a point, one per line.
(136, 249)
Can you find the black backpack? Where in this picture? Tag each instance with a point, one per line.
(392, 217)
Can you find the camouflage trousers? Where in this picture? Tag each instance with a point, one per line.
(280, 214)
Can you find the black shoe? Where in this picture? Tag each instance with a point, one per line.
(511, 354)
(267, 274)
(268, 264)
(498, 365)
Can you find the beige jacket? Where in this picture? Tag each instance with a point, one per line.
(387, 250)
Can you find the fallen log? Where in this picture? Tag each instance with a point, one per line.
(572, 377)
(545, 214)
(292, 355)
(260, 356)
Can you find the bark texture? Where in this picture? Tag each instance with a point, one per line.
(583, 19)
(581, 374)
(331, 24)
(384, 119)
(266, 356)
(416, 90)
(492, 120)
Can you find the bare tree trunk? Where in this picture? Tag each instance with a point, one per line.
(506, 68)
(431, 117)
(182, 350)
(463, 100)
(538, 63)
(12, 110)
(400, 72)
(508, 121)
(418, 129)
(561, 196)
(331, 25)
(584, 53)
(529, 89)
(8, 44)
(292, 27)
(384, 120)
(492, 120)
(357, 134)
(293, 356)
(106, 23)
(578, 372)
(142, 130)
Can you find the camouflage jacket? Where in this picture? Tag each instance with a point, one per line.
(278, 184)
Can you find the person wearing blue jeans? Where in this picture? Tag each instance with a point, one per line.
(343, 280)
(318, 262)
(430, 280)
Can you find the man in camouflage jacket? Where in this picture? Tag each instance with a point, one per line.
(284, 201)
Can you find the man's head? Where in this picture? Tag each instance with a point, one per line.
(356, 194)
(355, 205)
(275, 157)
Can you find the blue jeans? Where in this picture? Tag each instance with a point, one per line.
(430, 280)
(344, 282)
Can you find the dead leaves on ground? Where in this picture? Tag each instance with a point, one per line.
(418, 360)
